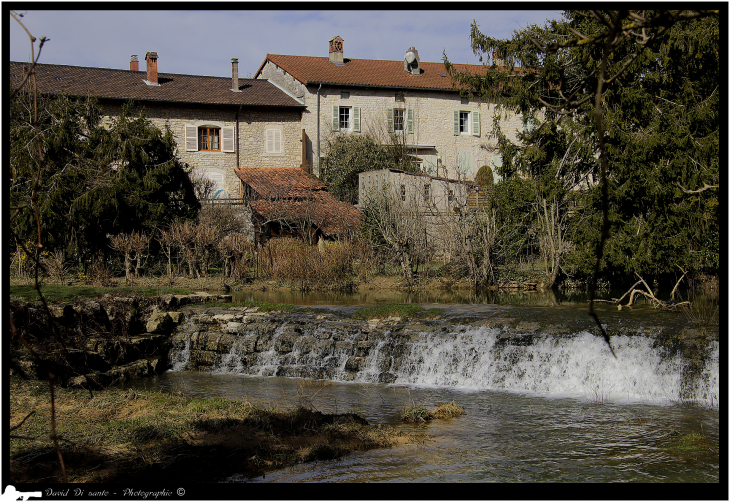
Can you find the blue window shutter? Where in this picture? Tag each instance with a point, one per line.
(475, 123)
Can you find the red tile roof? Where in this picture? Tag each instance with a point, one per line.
(369, 72)
(280, 182)
(106, 83)
(291, 194)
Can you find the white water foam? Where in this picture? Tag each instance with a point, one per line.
(579, 366)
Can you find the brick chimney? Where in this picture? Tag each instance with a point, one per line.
(134, 63)
(151, 59)
(336, 56)
(234, 75)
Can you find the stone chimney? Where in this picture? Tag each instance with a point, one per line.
(497, 58)
(234, 75)
(134, 63)
(151, 59)
(336, 56)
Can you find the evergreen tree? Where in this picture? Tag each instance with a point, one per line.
(95, 181)
(628, 97)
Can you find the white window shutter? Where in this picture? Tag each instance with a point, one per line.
(456, 122)
(410, 120)
(277, 140)
(356, 118)
(335, 118)
(475, 123)
(391, 120)
(273, 140)
(228, 139)
(191, 138)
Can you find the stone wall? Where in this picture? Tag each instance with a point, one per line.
(433, 120)
(252, 125)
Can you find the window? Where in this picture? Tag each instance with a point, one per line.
(344, 95)
(400, 119)
(464, 101)
(272, 141)
(209, 137)
(398, 116)
(402, 192)
(426, 192)
(466, 123)
(346, 118)
(451, 195)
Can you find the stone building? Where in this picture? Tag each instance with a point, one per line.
(413, 100)
(220, 124)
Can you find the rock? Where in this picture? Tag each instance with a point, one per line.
(177, 317)
(160, 322)
(354, 364)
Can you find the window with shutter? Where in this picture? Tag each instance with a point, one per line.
(391, 120)
(465, 164)
(228, 138)
(410, 121)
(273, 141)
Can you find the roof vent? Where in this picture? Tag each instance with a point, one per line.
(411, 62)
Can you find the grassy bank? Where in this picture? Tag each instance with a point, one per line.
(126, 436)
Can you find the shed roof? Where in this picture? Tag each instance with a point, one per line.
(107, 83)
(290, 194)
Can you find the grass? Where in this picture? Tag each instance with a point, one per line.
(419, 414)
(57, 293)
(404, 311)
(130, 436)
(693, 441)
(262, 306)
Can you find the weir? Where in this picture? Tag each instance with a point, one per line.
(492, 349)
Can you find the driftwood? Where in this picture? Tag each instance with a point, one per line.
(633, 291)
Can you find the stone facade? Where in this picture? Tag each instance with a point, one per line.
(432, 136)
(252, 139)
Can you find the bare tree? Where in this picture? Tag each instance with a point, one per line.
(393, 214)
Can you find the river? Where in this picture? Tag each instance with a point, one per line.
(559, 410)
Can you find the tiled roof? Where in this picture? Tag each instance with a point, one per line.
(369, 72)
(106, 83)
(280, 182)
(291, 194)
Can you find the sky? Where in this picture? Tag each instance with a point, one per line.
(202, 42)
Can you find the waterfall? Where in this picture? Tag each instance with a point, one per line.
(179, 359)
(578, 365)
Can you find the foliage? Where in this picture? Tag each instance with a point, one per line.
(628, 97)
(415, 414)
(349, 155)
(97, 179)
(55, 293)
(404, 311)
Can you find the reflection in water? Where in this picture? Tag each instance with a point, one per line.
(504, 436)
